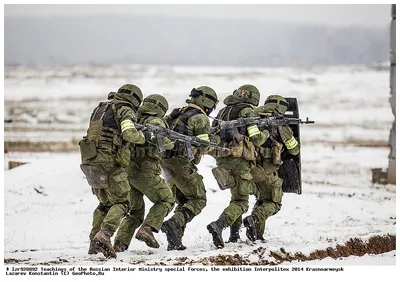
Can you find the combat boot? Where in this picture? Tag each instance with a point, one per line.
(261, 238)
(93, 249)
(234, 230)
(171, 228)
(119, 247)
(234, 235)
(145, 234)
(250, 224)
(102, 241)
(215, 228)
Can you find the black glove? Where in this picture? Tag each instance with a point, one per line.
(147, 135)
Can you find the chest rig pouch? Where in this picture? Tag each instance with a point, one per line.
(179, 123)
(235, 138)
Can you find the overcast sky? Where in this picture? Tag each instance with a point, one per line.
(359, 14)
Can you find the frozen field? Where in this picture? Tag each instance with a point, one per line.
(48, 204)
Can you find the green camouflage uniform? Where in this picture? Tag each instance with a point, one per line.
(144, 178)
(269, 192)
(105, 154)
(182, 173)
(243, 160)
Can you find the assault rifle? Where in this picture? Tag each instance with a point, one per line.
(262, 123)
(174, 136)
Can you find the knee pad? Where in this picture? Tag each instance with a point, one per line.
(187, 214)
(103, 208)
(126, 206)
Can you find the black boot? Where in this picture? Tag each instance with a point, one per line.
(234, 230)
(234, 236)
(261, 238)
(250, 224)
(171, 228)
(215, 228)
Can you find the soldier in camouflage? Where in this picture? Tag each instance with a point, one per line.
(237, 166)
(269, 192)
(144, 178)
(105, 154)
(186, 183)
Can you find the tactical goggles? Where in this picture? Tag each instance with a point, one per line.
(244, 93)
(156, 103)
(278, 102)
(130, 92)
(196, 93)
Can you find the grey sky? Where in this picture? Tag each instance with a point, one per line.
(359, 14)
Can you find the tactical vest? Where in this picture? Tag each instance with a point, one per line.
(274, 135)
(104, 128)
(272, 148)
(180, 118)
(230, 113)
(179, 123)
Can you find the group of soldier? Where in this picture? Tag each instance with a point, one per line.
(122, 165)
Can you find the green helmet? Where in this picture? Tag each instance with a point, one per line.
(111, 96)
(249, 92)
(277, 102)
(204, 97)
(155, 104)
(134, 96)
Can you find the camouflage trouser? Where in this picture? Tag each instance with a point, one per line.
(269, 198)
(144, 178)
(114, 201)
(188, 188)
(244, 186)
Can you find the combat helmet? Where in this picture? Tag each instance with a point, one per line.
(205, 97)
(249, 93)
(155, 104)
(277, 103)
(134, 96)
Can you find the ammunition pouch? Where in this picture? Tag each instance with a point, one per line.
(245, 149)
(264, 153)
(237, 149)
(88, 149)
(139, 152)
(197, 156)
(249, 151)
(96, 176)
(276, 151)
(123, 156)
(224, 178)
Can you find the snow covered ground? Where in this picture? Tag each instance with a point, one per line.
(48, 203)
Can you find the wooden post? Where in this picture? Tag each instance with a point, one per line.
(392, 99)
(14, 164)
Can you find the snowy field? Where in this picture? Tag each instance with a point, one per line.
(48, 204)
